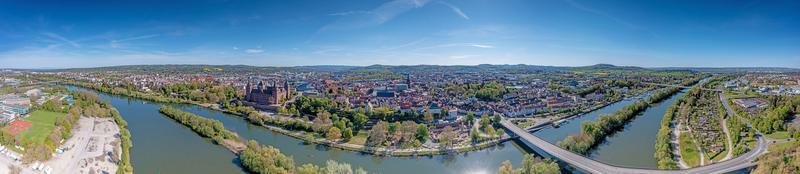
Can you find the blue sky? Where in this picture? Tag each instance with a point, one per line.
(57, 34)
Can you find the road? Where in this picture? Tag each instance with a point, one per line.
(5, 162)
(725, 126)
(592, 166)
(679, 86)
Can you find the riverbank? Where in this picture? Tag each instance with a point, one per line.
(378, 151)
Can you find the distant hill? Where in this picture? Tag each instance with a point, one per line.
(187, 68)
(518, 68)
(329, 67)
(732, 69)
(607, 67)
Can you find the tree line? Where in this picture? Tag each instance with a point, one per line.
(663, 153)
(269, 160)
(205, 127)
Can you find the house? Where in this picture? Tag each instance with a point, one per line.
(17, 110)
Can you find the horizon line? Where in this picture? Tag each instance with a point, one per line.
(396, 65)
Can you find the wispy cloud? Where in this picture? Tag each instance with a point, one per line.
(406, 45)
(327, 50)
(377, 16)
(348, 13)
(61, 39)
(136, 38)
(460, 57)
(455, 10)
(475, 45)
(482, 46)
(118, 43)
(582, 7)
(253, 51)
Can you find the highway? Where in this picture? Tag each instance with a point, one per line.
(592, 166)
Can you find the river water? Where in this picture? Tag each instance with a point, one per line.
(634, 146)
(164, 146)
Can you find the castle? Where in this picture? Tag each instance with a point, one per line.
(263, 94)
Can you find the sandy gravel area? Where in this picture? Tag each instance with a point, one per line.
(93, 148)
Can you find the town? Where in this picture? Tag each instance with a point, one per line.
(383, 110)
(399, 87)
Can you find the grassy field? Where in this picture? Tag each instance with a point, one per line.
(779, 135)
(780, 146)
(721, 155)
(689, 151)
(360, 138)
(43, 123)
(526, 123)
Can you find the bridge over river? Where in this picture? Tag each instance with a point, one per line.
(592, 166)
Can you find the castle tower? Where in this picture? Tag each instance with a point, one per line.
(288, 89)
(247, 90)
(261, 86)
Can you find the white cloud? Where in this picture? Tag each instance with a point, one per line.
(482, 46)
(253, 51)
(62, 39)
(377, 16)
(476, 45)
(455, 10)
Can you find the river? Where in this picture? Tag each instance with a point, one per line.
(634, 146)
(164, 146)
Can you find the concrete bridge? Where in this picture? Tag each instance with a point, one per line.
(592, 166)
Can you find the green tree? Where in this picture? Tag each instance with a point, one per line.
(359, 119)
(470, 118)
(308, 169)
(506, 168)
(422, 132)
(474, 135)
(347, 134)
(428, 117)
(532, 166)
